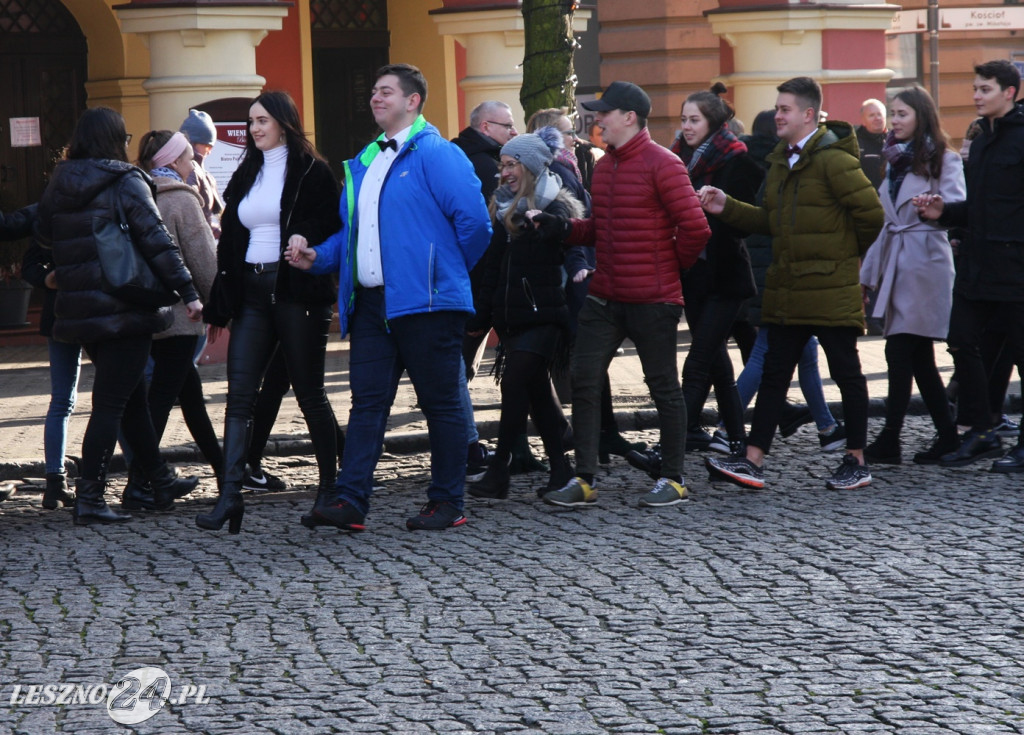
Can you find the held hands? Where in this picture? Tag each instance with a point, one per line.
(214, 333)
(712, 200)
(581, 275)
(195, 310)
(299, 254)
(929, 206)
(551, 226)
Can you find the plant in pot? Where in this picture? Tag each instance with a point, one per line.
(14, 292)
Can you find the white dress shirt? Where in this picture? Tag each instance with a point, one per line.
(369, 271)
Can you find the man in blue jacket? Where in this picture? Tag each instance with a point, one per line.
(413, 225)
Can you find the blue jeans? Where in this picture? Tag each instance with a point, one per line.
(65, 365)
(472, 435)
(807, 371)
(429, 347)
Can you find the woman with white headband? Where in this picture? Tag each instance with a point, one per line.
(96, 184)
(167, 157)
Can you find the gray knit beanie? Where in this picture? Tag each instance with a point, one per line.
(199, 127)
(530, 150)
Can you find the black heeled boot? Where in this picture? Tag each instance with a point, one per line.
(324, 495)
(523, 460)
(230, 508)
(90, 506)
(57, 491)
(495, 482)
(562, 472)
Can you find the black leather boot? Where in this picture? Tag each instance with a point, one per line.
(90, 507)
(138, 494)
(230, 508)
(57, 491)
(167, 486)
(495, 482)
(885, 449)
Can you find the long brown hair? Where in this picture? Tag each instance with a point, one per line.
(925, 163)
(527, 188)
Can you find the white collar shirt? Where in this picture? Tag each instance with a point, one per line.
(803, 143)
(369, 268)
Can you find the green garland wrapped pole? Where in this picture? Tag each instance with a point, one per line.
(548, 76)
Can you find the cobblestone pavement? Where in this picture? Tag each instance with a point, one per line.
(893, 609)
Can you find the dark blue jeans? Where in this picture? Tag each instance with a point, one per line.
(429, 347)
(653, 329)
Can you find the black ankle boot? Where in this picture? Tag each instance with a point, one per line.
(612, 442)
(324, 495)
(495, 482)
(57, 491)
(166, 484)
(90, 507)
(885, 449)
(523, 460)
(561, 472)
(230, 507)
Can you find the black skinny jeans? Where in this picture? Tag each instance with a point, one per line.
(175, 378)
(275, 384)
(526, 388)
(912, 357)
(711, 320)
(119, 393)
(301, 331)
(785, 345)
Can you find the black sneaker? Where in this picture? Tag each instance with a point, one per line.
(974, 446)
(436, 516)
(850, 475)
(736, 469)
(261, 481)
(648, 460)
(340, 514)
(478, 459)
(936, 451)
(834, 440)
(1007, 428)
(697, 440)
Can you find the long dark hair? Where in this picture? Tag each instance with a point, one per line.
(99, 133)
(280, 106)
(714, 109)
(926, 162)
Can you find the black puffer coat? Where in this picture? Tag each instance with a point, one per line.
(522, 277)
(80, 196)
(309, 207)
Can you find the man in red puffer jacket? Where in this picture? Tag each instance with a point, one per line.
(647, 225)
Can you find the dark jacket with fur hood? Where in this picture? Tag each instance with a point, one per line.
(309, 207)
(81, 195)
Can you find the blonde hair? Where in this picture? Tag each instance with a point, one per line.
(527, 188)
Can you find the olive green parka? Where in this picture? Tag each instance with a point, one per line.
(822, 215)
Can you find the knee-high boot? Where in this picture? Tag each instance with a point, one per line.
(230, 507)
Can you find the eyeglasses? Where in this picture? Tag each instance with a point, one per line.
(509, 167)
(507, 126)
(128, 139)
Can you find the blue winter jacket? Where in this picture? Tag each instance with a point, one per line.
(434, 227)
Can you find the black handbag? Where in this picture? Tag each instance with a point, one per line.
(125, 273)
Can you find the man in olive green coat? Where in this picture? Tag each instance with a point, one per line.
(822, 214)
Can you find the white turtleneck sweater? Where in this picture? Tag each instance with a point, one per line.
(260, 210)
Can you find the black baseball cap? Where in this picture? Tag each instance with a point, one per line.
(622, 96)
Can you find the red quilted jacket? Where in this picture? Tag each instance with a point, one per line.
(646, 226)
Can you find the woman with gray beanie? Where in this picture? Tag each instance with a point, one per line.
(523, 299)
(201, 132)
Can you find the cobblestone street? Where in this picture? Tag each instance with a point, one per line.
(792, 610)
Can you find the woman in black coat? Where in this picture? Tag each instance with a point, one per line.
(282, 190)
(96, 184)
(523, 299)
